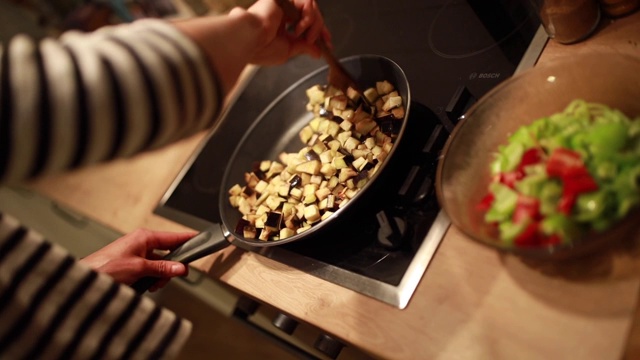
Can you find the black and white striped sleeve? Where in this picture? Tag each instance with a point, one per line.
(52, 307)
(86, 98)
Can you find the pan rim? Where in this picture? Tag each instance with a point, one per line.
(230, 233)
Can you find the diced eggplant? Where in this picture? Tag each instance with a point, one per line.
(233, 200)
(360, 153)
(296, 193)
(302, 229)
(326, 215)
(274, 169)
(286, 232)
(333, 182)
(306, 133)
(390, 127)
(361, 179)
(264, 165)
(235, 190)
(249, 232)
(344, 148)
(387, 147)
(273, 202)
(360, 114)
(351, 143)
(292, 221)
(347, 114)
(311, 155)
(261, 186)
(312, 213)
(346, 125)
(369, 165)
(350, 184)
(371, 94)
(273, 221)
(337, 119)
(322, 126)
(288, 209)
(265, 234)
(240, 225)
(311, 167)
(333, 128)
(259, 200)
(334, 144)
(325, 138)
(326, 157)
(338, 102)
(353, 94)
(315, 123)
(316, 179)
(331, 201)
(347, 158)
(300, 210)
(398, 112)
(315, 94)
(251, 179)
(313, 139)
(351, 193)
(297, 180)
(322, 193)
(328, 169)
(319, 147)
(243, 206)
(386, 96)
(365, 126)
(346, 174)
(359, 163)
(384, 87)
(247, 191)
(283, 189)
(306, 178)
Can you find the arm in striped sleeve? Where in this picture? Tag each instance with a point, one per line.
(86, 98)
(52, 307)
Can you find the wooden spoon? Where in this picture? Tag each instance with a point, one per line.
(338, 76)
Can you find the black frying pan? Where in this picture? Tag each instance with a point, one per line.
(274, 131)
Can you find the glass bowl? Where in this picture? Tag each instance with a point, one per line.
(463, 173)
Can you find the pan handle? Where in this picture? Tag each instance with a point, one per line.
(201, 245)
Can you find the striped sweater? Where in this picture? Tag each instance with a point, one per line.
(67, 103)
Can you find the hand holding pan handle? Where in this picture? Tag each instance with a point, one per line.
(203, 244)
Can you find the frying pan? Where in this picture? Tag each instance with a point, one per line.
(274, 131)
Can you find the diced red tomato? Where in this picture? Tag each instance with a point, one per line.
(510, 178)
(553, 239)
(563, 161)
(527, 208)
(530, 235)
(531, 157)
(579, 184)
(566, 203)
(486, 202)
(576, 179)
(565, 164)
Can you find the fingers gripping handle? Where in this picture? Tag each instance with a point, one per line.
(201, 245)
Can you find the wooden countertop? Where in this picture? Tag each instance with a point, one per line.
(472, 303)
